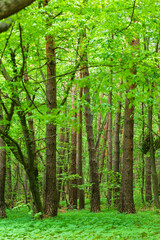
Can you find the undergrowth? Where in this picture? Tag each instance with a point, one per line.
(79, 225)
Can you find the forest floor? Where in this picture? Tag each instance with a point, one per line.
(79, 225)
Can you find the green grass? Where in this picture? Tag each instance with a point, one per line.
(79, 225)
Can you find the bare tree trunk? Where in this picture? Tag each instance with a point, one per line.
(153, 162)
(15, 186)
(9, 183)
(61, 162)
(126, 203)
(148, 189)
(104, 151)
(51, 198)
(109, 194)
(31, 129)
(142, 187)
(73, 181)
(116, 162)
(79, 156)
(95, 191)
(2, 172)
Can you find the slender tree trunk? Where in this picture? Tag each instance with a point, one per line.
(109, 194)
(79, 156)
(95, 191)
(142, 187)
(153, 162)
(2, 172)
(34, 187)
(26, 187)
(9, 182)
(31, 127)
(116, 162)
(73, 171)
(148, 189)
(15, 186)
(61, 162)
(104, 151)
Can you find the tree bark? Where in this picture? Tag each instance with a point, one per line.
(104, 151)
(109, 194)
(126, 203)
(153, 162)
(79, 156)
(73, 170)
(143, 123)
(9, 7)
(148, 188)
(116, 162)
(9, 182)
(51, 197)
(2, 172)
(61, 162)
(95, 191)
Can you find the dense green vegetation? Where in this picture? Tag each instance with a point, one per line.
(79, 225)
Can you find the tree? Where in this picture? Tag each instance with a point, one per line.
(73, 170)
(95, 192)
(79, 155)
(2, 171)
(51, 197)
(126, 203)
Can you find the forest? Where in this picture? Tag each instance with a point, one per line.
(79, 119)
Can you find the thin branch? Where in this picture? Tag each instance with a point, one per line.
(7, 40)
(100, 132)
(123, 29)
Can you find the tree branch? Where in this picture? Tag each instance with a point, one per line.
(9, 7)
(4, 26)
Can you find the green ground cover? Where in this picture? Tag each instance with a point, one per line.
(79, 225)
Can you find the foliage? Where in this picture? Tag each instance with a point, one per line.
(81, 225)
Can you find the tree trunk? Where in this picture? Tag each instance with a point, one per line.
(95, 191)
(31, 125)
(9, 183)
(104, 151)
(51, 195)
(73, 171)
(153, 162)
(79, 156)
(148, 189)
(126, 203)
(142, 187)
(2, 173)
(109, 194)
(51, 198)
(34, 187)
(116, 162)
(61, 162)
